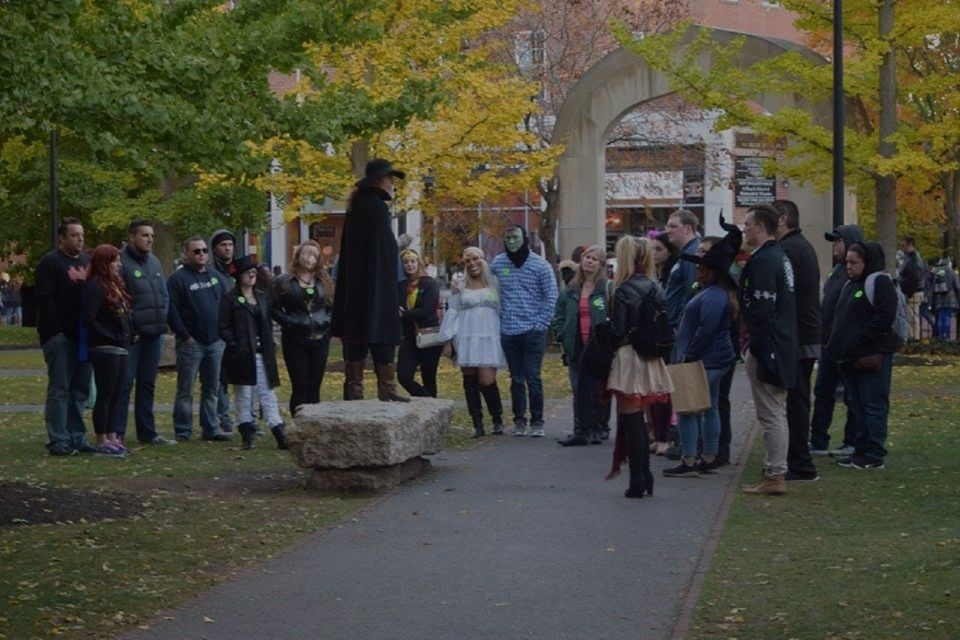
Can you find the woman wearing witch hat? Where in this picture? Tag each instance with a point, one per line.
(366, 302)
(704, 335)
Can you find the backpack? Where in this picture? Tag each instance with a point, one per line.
(940, 284)
(901, 325)
(911, 278)
(652, 336)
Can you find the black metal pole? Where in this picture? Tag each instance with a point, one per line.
(838, 113)
(53, 189)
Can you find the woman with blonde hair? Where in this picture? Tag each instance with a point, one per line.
(300, 302)
(471, 329)
(637, 381)
(581, 306)
(419, 309)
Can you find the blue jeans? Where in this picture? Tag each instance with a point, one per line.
(142, 368)
(944, 322)
(524, 354)
(194, 358)
(68, 385)
(868, 398)
(690, 424)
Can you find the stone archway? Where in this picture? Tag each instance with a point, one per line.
(613, 87)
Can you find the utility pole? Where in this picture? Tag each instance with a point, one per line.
(838, 113)
(53, 188)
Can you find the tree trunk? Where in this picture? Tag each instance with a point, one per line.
(359, 156)
(951, 207)
(548, 224)
(886, 186)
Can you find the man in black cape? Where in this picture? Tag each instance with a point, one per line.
(366, 302)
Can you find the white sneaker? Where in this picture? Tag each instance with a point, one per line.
(842, 452)
(536, 431)
(519, 430)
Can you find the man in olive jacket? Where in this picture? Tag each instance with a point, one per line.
(143, 277)
(806, 273)
(768, 304)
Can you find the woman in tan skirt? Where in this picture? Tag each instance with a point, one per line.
(636, 381)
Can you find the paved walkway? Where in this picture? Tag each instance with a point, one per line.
(516, 539)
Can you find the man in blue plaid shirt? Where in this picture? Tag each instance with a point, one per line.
(528, 294)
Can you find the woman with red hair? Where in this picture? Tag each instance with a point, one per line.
(106, 316)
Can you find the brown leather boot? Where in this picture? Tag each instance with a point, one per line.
(769, 486)
(387, 384)
(353, 380)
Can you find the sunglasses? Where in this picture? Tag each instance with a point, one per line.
(197, 252)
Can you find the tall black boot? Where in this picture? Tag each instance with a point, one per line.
(247, 431)
(491, 394)
(638, 455)
(471, 390)
(279, 436)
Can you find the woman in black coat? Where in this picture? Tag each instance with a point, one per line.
(419, 309)
(250, 358)
(365, 304)
(863, 343)
(300, 302)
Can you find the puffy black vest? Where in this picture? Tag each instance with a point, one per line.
(148, 288)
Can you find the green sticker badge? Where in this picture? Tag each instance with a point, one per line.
(241, 300)
(598, 303)
(214, 280)
(138, 274)
(506, 271)
(491, 297)
(858, 294)
(309, 291)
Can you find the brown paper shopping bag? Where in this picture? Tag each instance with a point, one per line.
(691, 391)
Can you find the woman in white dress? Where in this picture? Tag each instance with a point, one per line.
(471, 329)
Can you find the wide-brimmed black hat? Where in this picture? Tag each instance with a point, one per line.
(244, 264)
(720, 256)
(379, 168)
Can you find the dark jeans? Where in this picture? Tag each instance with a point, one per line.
(409, 359)
(799, 460)
(204, 359)
(110, 373)
(825, 398)
(525, 359)
(868, 399)
(142, 367)
(357, 352)
(588, 407)
(723, 408)
(306, 363)
(68, 385)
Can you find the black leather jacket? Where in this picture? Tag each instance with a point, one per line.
(288, 306)
(625, 311)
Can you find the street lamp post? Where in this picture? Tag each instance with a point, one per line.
(53, 188)
(838, 113)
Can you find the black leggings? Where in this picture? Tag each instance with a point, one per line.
(110, 373)
(357, 352)
(306, 363)
(409, 359)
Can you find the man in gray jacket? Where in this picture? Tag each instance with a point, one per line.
(143, 276)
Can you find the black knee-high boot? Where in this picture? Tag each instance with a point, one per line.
(491, 394)
(471, 389)
(638, 452)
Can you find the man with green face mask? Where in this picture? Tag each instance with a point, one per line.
(528, 295)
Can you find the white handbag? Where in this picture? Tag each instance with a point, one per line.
(429, 337)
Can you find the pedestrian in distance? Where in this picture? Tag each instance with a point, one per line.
(863, 342)
(146, 285)
(528, 288)
(365, 304)
(665, 256)
(704, 336)
(911, 276)
(636, 380)
(945, 286)
(768, 304)
(195, 292)
(11, 302)
(223, 245)
(806, 284)
(581, 306)
(249, 357)
(300, 302)
(109, 327)
(471, 334)
(419, 311)
(60, 279)
(829, 376)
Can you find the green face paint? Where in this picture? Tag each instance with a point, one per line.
(513, 240)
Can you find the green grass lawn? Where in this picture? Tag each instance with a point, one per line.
(19, 336)
(860, 554)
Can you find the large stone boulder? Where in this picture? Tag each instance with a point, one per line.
(367, 444)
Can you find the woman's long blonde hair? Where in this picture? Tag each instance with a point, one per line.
(421, 265)
(634, 255)
(486, 278)
(318, 272)
(601, 254)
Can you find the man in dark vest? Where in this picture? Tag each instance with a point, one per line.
(143, 276)
(806, 274)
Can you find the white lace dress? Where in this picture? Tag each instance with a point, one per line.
(472, 322)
